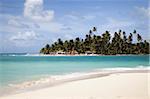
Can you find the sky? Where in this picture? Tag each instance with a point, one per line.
(28, 25)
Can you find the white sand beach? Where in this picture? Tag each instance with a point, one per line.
(115, 86)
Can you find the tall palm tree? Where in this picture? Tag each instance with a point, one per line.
(71, 46)
(105, 41)
(134, 32)
(94, 29)
(66, 45)
(90, 32)
(119, 33)
(124, 46)
(130, 38)
(77, 44)
(124, 37)
(106, 36)
(47, 47)
(139, 38)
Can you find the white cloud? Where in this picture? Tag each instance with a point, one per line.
(24, 36)
(17, 23)
(13, 22)
(33, 9)
(52, 27)
(79, 17)
(24, 39)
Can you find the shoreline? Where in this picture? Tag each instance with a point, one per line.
(61, 80)
(38, 54)
(115, 86)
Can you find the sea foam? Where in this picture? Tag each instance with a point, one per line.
(57, 79)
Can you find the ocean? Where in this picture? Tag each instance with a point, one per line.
(16, 69)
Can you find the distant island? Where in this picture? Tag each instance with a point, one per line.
(103, 44)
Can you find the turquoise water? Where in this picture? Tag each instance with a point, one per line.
(21, 68)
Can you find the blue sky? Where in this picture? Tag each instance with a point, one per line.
(27, 25)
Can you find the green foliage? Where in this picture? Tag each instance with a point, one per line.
(100, 44)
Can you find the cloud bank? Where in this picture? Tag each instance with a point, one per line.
(33, 9)
(21, 36)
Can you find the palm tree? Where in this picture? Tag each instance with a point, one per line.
(124, 46)
(66, 45)
(134, 32)
(71, 46)
(124, 37)
(105, 41)
(106, 36)
(146, 47)
(47, 47)
(60, 41)
(90, 32)
(78, 39)
(98, 45)
(130, 38)
(139, 38)
(42, 50)
(119, 33)
(77, 44)
(60, 44)
(94, 29)
(140, 45)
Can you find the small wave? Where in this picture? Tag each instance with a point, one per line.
(141, 67)
(12, 54)
(33, 83)
(55, 79)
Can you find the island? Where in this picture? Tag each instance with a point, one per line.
(104, 44)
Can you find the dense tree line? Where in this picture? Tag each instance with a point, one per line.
(120, 43)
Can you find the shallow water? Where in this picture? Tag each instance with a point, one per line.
(17, 69)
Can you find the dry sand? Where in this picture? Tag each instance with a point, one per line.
(115, 86)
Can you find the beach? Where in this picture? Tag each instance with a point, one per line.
(74, 77)
(123, 85)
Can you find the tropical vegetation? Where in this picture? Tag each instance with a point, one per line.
(104, 44)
